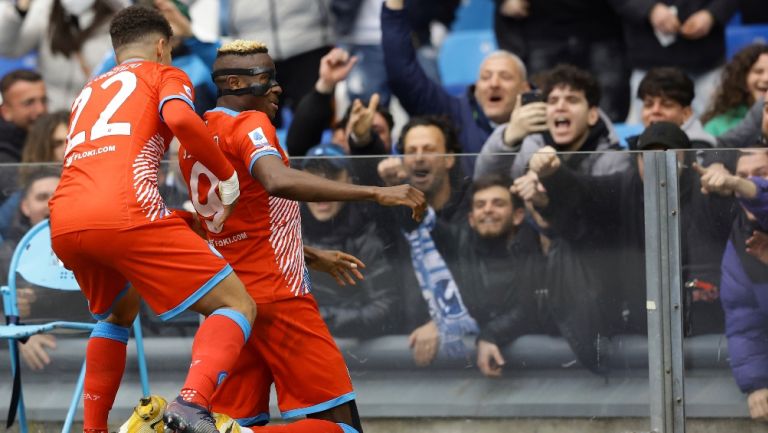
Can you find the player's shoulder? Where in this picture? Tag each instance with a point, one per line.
(240, 121)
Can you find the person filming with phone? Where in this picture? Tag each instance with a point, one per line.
(571, 122)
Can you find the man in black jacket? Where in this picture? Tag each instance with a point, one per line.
(609, 209)
(495, 258)
(367, 309)
(23, 101)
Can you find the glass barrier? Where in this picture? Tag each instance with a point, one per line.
(526, 307)
(724, 274)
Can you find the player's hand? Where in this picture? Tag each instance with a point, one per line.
(35, 351)
(489, 359)
(229, 191)
(664, 19)
(343, 267)
(524, 120)
(334, 67)
(715, 179)
(697, 25)
(391, 171)
(425, 342)
(758, 404)
(403, 195)
(757, 246)
(217, 223)
(528, 188)
(361, 119)
(544, 162)
(25, 297)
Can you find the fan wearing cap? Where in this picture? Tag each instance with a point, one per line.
(607, 214)
(367, 309)
(263, 244)
(745, 276)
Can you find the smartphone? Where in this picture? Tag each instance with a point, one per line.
(532, 96)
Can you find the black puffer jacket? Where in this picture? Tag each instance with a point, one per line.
(367, 309)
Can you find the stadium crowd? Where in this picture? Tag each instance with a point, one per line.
(539, 229)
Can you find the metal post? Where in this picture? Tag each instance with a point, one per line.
(664, 307)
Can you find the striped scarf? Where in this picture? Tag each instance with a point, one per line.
(439, 290)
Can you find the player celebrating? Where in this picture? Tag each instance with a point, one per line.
(290, 345)
(110, 225)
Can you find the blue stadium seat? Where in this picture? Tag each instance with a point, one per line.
(624, 130)
(474, 15)
(461, 55)
(8, 64)
(737, 37)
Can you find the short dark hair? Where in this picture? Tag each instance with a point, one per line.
(491, 180)
(575, 78)
(440, 122)
(667, 82)
(17, 75)
(37, 172)
(136, 22)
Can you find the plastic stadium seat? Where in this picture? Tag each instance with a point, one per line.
(461, 55)
(624, 130)
(7, 64)
(474, 15)
(737, 37)
(36, 262)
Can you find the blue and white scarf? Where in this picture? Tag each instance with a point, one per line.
(439, 290)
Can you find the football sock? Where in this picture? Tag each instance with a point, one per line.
(215, 349)
(105, 363)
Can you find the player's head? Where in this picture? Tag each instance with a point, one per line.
(143, 32)
(245, 76)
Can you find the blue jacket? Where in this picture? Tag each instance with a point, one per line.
(744, 295)
(419, 95)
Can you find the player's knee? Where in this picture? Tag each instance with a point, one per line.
(247, 307)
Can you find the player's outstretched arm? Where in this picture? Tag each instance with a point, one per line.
(194, 136)
(281, 181)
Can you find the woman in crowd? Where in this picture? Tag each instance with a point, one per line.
(71, 37)
(744, 81)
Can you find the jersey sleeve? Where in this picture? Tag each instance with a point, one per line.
(175, 84)
(257, 138)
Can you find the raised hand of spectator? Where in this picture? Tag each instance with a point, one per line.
(544, 162)
(395, 5)
(697, 25)
(716, 179)
(361, 120)
(23, 5)
(334, 67)
(25, 297)
(403, 195)
(525, 119)
(391, 171)
(528, 188)
(489, 359)
(757, 246)
(343, 267)
(181, 25)
(514, 8)
(758, 404)
(664, 18)
(35, 351)
(425, 342)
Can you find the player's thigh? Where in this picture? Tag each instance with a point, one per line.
(169, 265)
(308, 369)
(101, 284)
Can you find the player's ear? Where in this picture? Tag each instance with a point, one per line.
(160, 49)
(233, 82)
